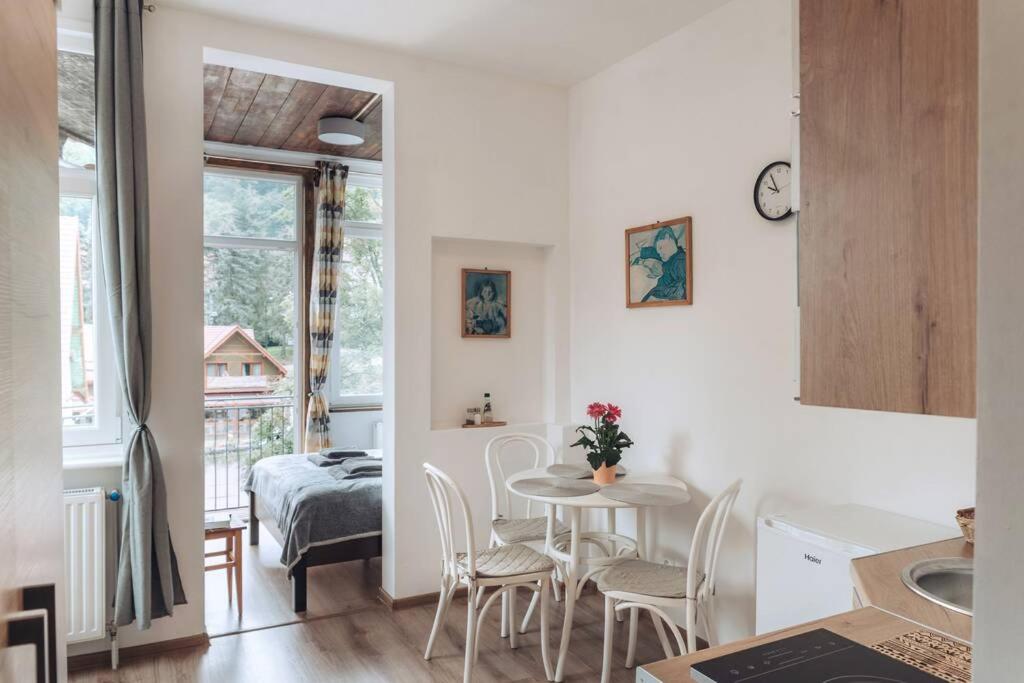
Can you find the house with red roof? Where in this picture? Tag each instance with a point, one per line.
(235, 363)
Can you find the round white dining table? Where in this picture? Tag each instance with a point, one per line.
(574, 505)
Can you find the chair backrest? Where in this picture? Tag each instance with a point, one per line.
(443, 492)
(707, 540)
(501, 503)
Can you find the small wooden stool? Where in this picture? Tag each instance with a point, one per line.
(232, 536)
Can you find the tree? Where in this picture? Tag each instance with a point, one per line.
(361, 317)
(251, 287)
(363, 204)
(273, 434)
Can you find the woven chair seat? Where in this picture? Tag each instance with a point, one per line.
(645, 578)
(522, 530)
(507, 560)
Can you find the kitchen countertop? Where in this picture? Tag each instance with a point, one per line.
(877, 582)
(867, 626)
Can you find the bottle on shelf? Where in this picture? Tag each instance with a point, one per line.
(488, 413)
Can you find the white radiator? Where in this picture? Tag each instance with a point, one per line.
(378, 435)
(85, 563)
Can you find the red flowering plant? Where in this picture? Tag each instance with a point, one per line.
(604, 441)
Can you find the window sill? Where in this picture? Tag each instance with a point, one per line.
(93, 457)
(368, 408)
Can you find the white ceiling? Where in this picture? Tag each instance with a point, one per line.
(553, 41)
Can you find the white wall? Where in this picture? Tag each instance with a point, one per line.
(999, 602)
(462, 369)
(354, 428)
(468, 145)
(682, 128)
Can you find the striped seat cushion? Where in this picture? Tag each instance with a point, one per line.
(507, 560)
(522, 530)
(644, 578)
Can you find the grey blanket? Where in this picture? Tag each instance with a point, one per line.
(314, 505)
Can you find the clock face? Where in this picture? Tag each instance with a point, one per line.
(771, 192)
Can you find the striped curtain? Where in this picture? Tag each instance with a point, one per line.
(323, 295)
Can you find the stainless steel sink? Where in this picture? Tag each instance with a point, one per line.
(946, 581)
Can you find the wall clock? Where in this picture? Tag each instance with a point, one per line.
(772, 192)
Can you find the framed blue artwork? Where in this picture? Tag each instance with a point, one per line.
(486, 303)
(659, 264)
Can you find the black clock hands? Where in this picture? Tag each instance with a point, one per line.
(774, 188)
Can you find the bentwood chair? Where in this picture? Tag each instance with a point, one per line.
(638, 584)
(506, 527)
(505, 567)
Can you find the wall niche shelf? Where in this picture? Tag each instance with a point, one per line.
(517, 371)
(482, 425)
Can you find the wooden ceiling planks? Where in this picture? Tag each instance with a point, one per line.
(76, 99)
(215, 79)
(371, 148)
(273, 93)
(303, 96)
(250, 108)
(333, 102)
(238, 96)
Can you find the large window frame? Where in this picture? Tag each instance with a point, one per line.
(364, 230)
(108, 422)
(103, 437)
(293, 244)
(362, 173)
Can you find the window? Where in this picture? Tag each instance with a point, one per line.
(251, 265)
(90, 391)
(250, 204)
(363, 203)
(357, 370)
(216, 369)
(251, 257)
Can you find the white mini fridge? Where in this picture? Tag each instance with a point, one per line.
(803, 558)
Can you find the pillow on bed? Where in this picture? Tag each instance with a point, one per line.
(341, 453)
(324, 461)
(361, 466)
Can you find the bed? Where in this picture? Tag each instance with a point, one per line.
(317, 515)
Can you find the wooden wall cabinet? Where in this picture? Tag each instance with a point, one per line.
(888, 204)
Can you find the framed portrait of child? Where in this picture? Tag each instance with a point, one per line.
(659, 264)
(486, 303)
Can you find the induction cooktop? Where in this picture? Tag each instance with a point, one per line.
(818, 656)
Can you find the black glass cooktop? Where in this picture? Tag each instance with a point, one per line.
(818, 656)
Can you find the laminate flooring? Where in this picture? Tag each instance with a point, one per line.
(348, 635)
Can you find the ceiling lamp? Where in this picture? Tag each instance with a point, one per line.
(337, 130)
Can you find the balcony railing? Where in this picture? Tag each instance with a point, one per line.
(239, 432)
(78, 414)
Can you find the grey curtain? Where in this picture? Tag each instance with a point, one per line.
(148, 583)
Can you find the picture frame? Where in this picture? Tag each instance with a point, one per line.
(486, 303)
(660, 275)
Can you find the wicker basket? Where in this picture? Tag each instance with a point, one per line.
(965, 518)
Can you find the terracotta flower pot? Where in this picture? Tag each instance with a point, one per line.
(604, 475)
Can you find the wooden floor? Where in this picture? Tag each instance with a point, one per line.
(332, 589)
(366, 641)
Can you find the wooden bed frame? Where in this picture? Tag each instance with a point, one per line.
(330, 553)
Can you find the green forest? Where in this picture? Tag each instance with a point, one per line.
(255, 287)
